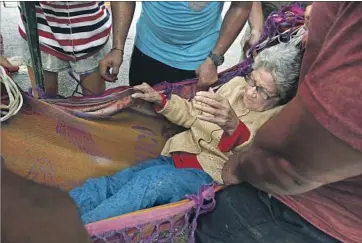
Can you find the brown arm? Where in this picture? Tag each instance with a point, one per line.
(297, 157)
(232, 24)
(35, 213)
(122, 15)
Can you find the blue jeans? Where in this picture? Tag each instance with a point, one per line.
(147, 184)
(246, 214)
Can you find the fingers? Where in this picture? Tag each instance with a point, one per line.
(210, 98)
(103, 70)
(144, 87)
(115, 70)
(216, 120)
(146, 93)
(142, 96)
(207, 109)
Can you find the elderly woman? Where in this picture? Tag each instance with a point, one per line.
(218, 124)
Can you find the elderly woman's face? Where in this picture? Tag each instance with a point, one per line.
(261, 92)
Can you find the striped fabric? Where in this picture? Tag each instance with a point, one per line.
(71, 30)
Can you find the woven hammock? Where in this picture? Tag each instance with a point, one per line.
(63, 142)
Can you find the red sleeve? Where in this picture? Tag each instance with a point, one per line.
(240, 135)
(164, 101)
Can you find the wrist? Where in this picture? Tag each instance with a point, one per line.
(216, 58)
(119, 50)
(231, 129)
(208, 60)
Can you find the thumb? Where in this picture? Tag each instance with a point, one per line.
(115, 69)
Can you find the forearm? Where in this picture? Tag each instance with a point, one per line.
(233, 22)
(292, 153)
(36, 213)
(122, 15)
(179, 111)
(256, 17)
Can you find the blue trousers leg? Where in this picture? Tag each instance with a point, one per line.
(155, 185)
(96, 190)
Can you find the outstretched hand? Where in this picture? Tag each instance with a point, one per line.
(216, 109)
(147, 93)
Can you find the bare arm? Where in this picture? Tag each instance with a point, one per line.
(256, 18)
(122, 15)
(232, 24)
(297, 157)
(35, 213)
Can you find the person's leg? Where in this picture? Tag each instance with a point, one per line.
(88, 70)
(246, 214)
(50, 82)
(156, 185)
(96, 190)
(51, 67)
(93, 83)
(146, 69)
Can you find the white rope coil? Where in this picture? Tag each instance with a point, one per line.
(15, 97)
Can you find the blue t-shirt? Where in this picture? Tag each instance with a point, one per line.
(179, 34)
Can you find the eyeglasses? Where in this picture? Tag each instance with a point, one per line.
(260, 90)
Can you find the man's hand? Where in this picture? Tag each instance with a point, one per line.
(147, 93)
(217, 109)
(253, 39)
(207, 73)
(228, 174)
(7, 65)
(111, 63)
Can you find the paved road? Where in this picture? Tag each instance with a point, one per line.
(13, 49)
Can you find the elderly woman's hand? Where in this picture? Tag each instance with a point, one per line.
(216, 109)
(147, 93)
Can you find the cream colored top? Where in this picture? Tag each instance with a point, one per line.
(202, 137)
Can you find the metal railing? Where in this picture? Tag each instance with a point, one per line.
(28, 9)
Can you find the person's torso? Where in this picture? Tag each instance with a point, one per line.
(72, 29)
(179, 34)
(336, 209)
(203, 137)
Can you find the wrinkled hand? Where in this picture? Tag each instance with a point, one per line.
(113, 61)
(207, 73)
(7, 65)
(147, 93)
(216, 109)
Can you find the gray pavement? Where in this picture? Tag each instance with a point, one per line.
(13, 49)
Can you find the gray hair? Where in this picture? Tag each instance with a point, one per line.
(283, 61)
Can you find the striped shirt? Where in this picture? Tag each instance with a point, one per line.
(71, 30)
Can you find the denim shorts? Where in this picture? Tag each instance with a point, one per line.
(53, 64)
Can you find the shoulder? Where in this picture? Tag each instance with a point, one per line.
(234, 85)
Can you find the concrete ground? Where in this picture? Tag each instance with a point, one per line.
(13, 49)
